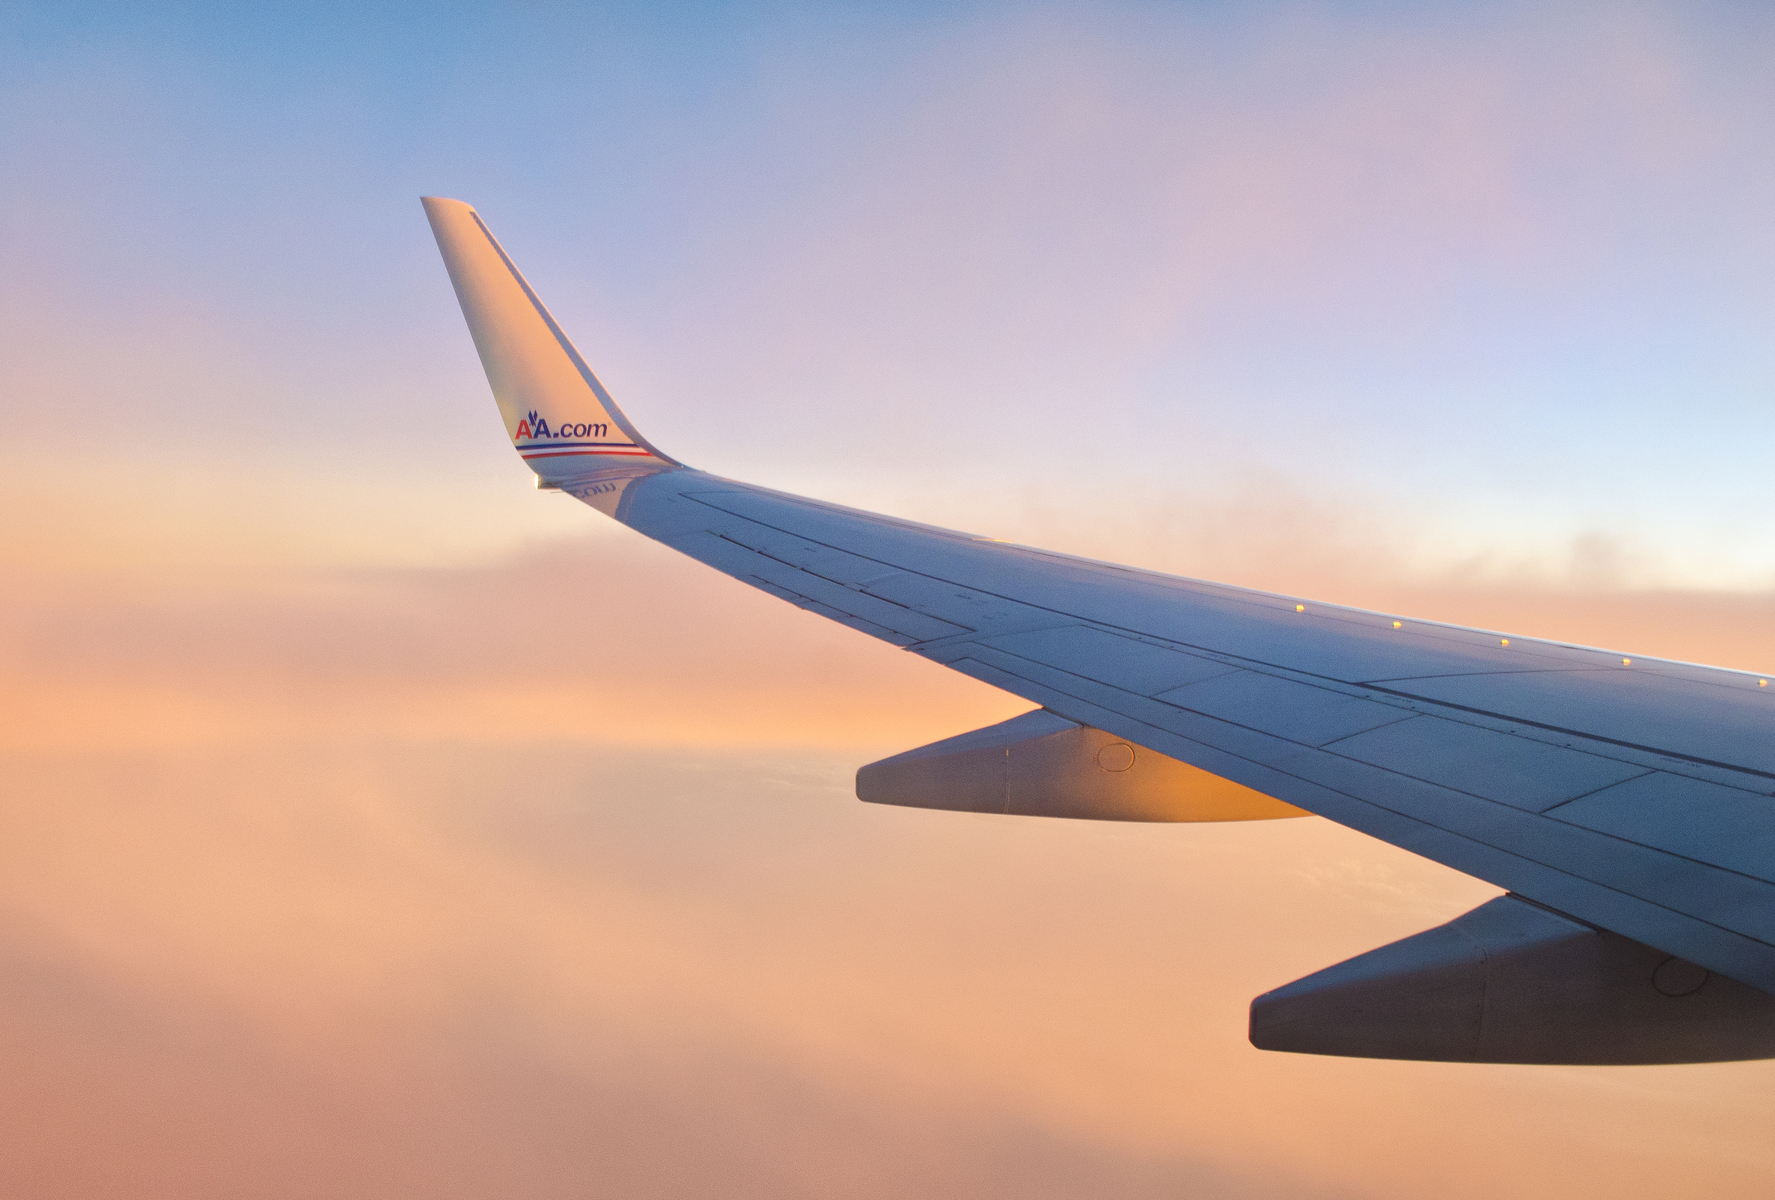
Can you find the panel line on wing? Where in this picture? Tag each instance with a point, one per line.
(1569, 732)
(1497, 820)
(1727, 949)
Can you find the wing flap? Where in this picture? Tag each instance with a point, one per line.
(1727, 721)
(1136, 666)
(1518, 771)
(1724, 827)
(1300, 712)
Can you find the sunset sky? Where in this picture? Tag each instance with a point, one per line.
(323, 871)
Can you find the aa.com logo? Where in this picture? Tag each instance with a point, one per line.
(533, 427)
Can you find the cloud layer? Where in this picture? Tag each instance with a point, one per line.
(435, 972)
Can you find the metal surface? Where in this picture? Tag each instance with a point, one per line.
(1042, 765)
(1513, 983)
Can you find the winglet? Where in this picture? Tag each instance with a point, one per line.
(559, 417)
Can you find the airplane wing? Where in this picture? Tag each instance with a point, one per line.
(1626, 804)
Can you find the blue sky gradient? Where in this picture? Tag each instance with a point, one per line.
(1494, 281)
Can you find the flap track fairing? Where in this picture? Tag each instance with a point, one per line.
(1043, 765)
(1513, 982)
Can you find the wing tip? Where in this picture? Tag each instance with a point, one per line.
(431, 203)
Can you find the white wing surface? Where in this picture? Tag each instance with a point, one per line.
(1631, 794)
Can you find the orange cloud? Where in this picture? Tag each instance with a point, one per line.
(455, 970)
(616, 640)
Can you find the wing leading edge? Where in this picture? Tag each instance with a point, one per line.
(1632, 794)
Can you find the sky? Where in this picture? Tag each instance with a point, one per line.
(322, 872)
